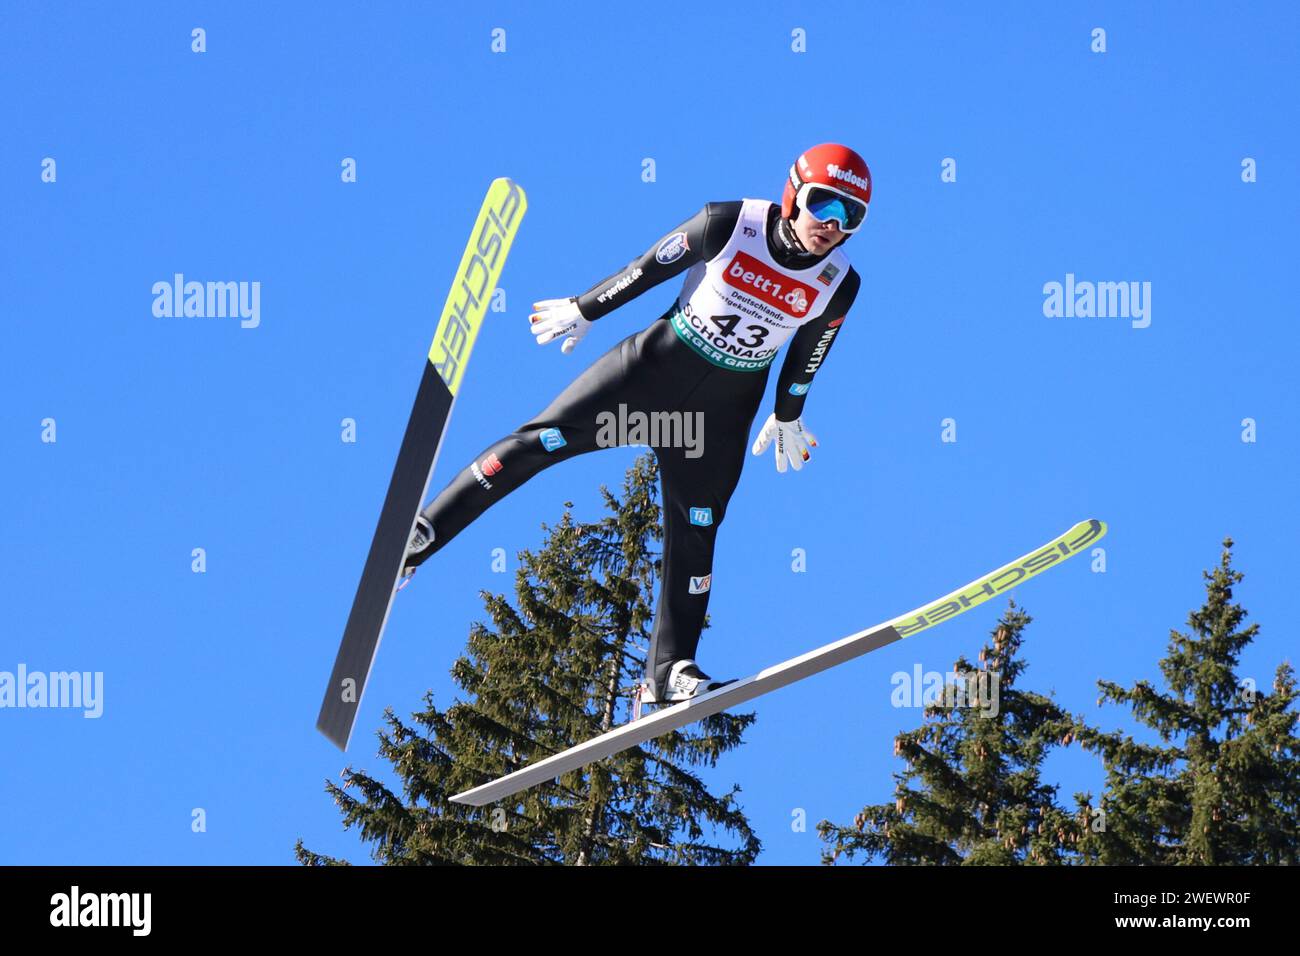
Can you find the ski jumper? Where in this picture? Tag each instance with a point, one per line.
(747, 291)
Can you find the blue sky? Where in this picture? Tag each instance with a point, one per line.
(177, 433)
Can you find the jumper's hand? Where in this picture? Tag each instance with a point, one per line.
(792, 442)
(554, 318)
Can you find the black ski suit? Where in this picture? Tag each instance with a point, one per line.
(654, 371)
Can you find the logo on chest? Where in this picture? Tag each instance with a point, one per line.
(760, 281)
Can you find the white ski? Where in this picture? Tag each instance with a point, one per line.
(635, 732)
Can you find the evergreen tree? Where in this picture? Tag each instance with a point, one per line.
(1223, 784)
(972, 791)
(552, 670)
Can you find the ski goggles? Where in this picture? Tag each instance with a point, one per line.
(825, 203)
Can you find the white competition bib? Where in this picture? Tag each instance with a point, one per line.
(740, 307)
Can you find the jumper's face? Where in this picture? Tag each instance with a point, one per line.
(817, 237)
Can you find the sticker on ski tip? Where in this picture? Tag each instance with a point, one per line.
(476, 277)
(1003, 579)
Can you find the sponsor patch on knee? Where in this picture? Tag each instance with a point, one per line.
(488, 466)
(702, 516)
(551, 439)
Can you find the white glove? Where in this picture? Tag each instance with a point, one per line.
(792, 441)
(553, 318)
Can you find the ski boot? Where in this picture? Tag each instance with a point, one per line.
(685, 681)
(421, 539)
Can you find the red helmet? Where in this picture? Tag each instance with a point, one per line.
(828, 166)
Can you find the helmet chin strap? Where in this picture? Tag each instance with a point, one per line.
(785, 231)
(789, 238)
